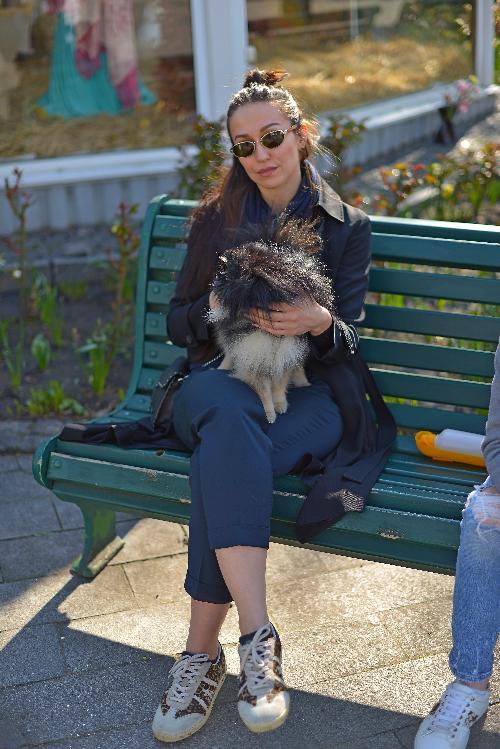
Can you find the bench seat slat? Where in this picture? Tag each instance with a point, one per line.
(376, 549)
(450, 253)
(434, 497)
(435, 285)
(147, 482)
(428, 322)
(427, 356)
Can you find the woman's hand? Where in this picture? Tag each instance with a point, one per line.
(296, 319)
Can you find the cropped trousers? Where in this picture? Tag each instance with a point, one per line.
(236, 454)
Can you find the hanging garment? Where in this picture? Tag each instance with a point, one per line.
(94, 60)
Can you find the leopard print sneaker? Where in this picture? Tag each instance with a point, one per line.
(263, 699)
(194, 682)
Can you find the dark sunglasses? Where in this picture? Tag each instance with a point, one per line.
(273, 139)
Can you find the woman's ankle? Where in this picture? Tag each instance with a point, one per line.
(203, 646)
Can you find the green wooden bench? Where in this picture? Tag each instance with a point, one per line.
(434, 363)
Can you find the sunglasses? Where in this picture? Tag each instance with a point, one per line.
(273, 139)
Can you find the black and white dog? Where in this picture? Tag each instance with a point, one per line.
(281, 266)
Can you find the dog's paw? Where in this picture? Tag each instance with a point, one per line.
(271, 416)
(281, 406)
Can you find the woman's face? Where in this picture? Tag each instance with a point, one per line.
(271, 169)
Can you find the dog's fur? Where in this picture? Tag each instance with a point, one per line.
(279, 267)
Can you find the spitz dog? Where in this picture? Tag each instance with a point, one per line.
(281, 266)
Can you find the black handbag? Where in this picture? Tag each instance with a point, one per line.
(162, 397)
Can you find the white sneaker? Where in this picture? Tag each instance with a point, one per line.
(263, 699)
(448, 724)
(186, 704)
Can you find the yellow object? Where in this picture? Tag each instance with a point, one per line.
(425, 443)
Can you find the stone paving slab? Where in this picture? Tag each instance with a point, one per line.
(21, 487)
(157, 580)
(25, 435)
(29, 655)
(148, 538)
(25, 558)
(126, 636)
(27, 518)
(63, 597)
(484, 735)
(379, 587)
(293, 562)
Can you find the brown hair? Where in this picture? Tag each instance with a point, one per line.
(224, 202)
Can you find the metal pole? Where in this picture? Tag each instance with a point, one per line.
(484, 50)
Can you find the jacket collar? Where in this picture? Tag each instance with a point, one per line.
(330, 201)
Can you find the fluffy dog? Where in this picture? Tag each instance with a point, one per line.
(279, 267)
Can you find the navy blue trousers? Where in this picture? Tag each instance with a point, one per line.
(236, 454)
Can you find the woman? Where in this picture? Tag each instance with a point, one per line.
(236, 452)
(476, 603)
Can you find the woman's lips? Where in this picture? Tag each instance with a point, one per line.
(268, 170)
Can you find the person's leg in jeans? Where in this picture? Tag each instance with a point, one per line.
(236, 453)
(475, 624)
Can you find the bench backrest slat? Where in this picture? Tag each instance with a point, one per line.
(430, 323)
(449, 253)
(426, 356)
(435, 285)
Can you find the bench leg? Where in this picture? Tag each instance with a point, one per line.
(101, 542)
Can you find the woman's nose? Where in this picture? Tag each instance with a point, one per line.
(261, 152)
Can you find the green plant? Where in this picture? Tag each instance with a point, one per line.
(73, 291)
(99, 348)
(465, 182)
(342, 133)
(12, 355)
(52, 400)
(399, 181)
(19, 201)
(40, 348)
(200, 170)
(45, 300)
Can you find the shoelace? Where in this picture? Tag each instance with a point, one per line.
(257, 664)
(186, 677)
(449, 714)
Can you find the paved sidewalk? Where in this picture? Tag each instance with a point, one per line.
(84, 663)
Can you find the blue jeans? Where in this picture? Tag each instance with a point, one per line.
(476, 603)
(236, 454)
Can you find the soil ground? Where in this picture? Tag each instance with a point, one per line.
(79, 320)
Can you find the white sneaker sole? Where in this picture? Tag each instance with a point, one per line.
(271, 726)
(171, 738)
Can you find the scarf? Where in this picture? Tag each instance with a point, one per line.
(257, 212)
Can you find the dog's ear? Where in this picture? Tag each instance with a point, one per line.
(297, 234)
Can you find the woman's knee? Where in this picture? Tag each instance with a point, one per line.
(483, 508)
(480, 530)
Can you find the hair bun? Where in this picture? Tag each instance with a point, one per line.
(265, 77)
